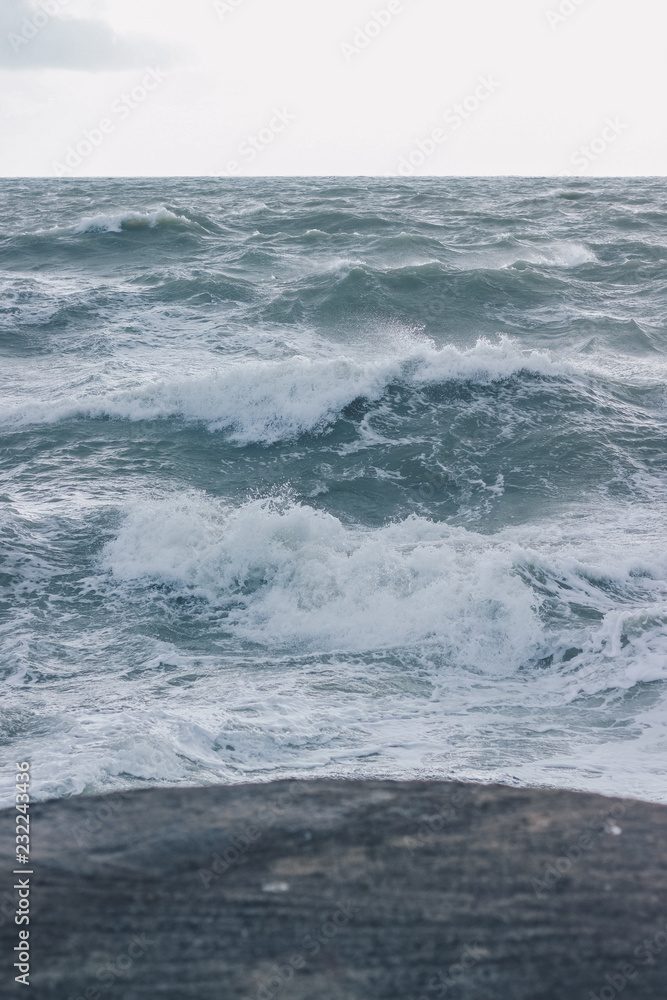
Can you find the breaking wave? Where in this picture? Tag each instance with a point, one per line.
(263, 401)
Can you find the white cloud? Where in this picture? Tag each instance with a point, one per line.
(43, 34)
(561, 77)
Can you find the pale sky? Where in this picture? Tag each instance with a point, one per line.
(261, 87)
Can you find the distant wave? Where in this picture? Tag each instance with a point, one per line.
(450, 285)
(118, 222)
(559, 253)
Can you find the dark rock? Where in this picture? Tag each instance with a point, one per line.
(336, 890)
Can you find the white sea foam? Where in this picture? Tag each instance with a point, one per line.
(302, 579)
(559, 253)
(115, 222)
(268, 401)
(188, 640)
(408, 649)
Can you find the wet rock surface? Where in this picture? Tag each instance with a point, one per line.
(338, 890)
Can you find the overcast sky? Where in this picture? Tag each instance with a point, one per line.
(413, 87)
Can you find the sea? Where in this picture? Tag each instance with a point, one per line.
(342, 477)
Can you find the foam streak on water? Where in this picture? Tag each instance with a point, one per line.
(333, 478)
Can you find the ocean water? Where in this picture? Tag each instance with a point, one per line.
(334, 477)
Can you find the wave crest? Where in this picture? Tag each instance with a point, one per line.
(292, 576)
(126, 221)
(270, 401)
(297, 575)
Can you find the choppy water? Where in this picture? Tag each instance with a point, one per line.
(333, 477)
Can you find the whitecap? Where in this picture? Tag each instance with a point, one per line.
(119, 221)
(270, 401)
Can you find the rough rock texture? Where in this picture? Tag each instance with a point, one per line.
(347, 890)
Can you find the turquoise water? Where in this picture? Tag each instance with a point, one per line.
(334, 477)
